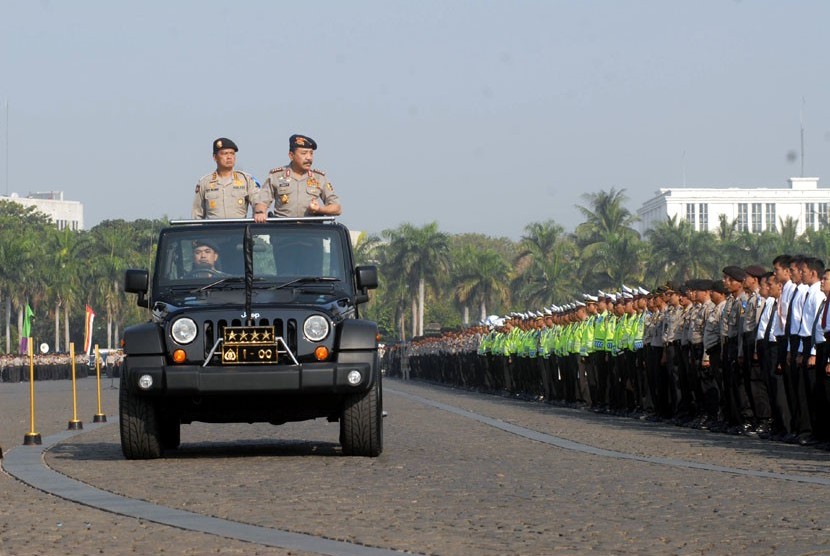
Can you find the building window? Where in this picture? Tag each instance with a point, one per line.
(743, 217)
(823, 215)
(690, 214)
(756, 217)
(770, 214)
(810, 216)
(703, 212)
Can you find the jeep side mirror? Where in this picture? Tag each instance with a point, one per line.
(367, 277)
(137, 281)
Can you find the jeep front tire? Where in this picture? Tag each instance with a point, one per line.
(361, 424)
(138, 419)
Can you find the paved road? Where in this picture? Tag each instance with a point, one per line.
(459, 475)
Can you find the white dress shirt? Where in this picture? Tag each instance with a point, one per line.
(808, 314)
(764, 321)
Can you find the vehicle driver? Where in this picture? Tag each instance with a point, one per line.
(205, 257)
(297, 189)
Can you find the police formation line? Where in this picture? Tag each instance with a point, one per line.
(745, 354)
(294, 190)
(15, 368)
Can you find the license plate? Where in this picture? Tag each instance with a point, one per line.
(248, 345)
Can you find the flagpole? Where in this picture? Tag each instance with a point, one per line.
(7, 146)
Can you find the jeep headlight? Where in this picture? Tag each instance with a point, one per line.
(316, 328)
(184, 331)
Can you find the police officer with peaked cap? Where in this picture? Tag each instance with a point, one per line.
(297, 189)
(224, 193)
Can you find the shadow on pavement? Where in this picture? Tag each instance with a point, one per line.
(108, 451)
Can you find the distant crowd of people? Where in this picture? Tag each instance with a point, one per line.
(57, 366)
(746, 354)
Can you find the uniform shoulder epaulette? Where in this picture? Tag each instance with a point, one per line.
(277, 169)
(316, 171)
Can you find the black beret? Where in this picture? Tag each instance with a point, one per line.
(755, 270)
(301, 142)
(704, 284)
(717, 286)
(224, 143)
(735, 272)
(205, 243)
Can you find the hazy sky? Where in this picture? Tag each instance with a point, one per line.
(481, 115)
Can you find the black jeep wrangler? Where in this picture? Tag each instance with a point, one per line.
(251, 323)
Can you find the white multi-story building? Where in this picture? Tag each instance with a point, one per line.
(65, 214)
(753, 209)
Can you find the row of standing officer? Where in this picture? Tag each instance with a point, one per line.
(294, 190)
(704, 353)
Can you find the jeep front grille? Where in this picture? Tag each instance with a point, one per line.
(213, 330)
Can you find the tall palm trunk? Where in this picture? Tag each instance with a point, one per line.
(109, 330)
(20, 326)
(8, 325)
(57, 326)
(421, 284)
(466, 319)
(66, 326)
(414, 316)
(483, 310)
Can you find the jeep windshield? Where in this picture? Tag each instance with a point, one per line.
(210, 256)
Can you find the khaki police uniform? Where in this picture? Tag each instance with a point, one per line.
(224, 197)
(292, 194)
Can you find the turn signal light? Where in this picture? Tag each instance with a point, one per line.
(179, 356)
(321, 353)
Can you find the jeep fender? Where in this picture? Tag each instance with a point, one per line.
(144, 338)
(359, 344)
(358, 334)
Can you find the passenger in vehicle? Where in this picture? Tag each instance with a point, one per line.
(297, 189)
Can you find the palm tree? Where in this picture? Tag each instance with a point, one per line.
(678, 252)
(726, 230)
(544, 268)
(482, 276)
(113, 246)
(421, 254)
(620, 260)
(21, 256)
(66, 249)
(365, 249)
(605, 217)
(394, 290)
(608, 224)
(817, 243)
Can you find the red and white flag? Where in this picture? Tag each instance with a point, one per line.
(90, 317)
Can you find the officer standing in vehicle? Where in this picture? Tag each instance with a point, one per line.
(297, 189)
(225, 193)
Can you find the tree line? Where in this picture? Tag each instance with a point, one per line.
(427, 276)
(58, 272)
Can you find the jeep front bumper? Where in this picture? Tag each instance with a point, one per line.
(327, 377)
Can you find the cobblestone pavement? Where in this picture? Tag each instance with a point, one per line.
(37, 524)
(445, 484)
